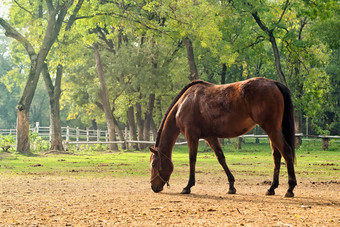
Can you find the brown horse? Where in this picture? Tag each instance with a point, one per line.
(208, 111)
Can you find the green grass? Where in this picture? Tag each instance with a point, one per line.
(254, 160)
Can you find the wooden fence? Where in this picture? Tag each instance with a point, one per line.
(87, 136)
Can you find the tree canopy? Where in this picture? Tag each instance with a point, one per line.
(150, 49)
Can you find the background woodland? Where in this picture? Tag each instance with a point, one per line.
(116, 64)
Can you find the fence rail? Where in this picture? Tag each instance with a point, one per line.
(78, 137)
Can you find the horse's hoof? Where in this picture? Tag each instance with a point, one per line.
(186, 191)
(289, 194)
(231, 191)
(270, 192)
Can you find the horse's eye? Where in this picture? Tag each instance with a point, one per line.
(153, 164)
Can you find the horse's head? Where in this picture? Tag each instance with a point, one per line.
(161, 169)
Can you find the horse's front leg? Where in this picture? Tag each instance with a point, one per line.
(193, 146)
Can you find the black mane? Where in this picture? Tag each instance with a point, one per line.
(172, 105)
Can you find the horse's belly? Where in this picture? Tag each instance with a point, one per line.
(228, 128)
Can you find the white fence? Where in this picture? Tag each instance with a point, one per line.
(80, 136)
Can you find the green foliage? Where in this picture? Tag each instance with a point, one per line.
(7, 143)
(37, 143)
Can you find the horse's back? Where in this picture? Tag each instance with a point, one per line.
(227, 110)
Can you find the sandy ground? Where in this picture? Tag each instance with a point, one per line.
(72, 201)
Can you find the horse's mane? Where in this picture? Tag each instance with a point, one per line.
(172, 105)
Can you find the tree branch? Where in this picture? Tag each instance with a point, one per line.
(74, 14)
(99, 105)
(129, 17)
(23, 8)
(284, 11)
(47, 79)
(303, 23)
(259, 39)
(260, 23)
(103, 37)
(11, 32)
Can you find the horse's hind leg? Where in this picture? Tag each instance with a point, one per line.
(277, 164)
(280, 143)
(216, 146)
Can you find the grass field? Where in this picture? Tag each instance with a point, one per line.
(254, 160)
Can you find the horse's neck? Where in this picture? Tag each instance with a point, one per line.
(169, 135)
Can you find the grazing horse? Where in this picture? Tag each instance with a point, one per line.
(208, 111)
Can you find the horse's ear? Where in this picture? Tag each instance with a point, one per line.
(153, 150)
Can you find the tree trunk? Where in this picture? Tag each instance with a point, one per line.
(54, 100)
(298, 87)
(23, 142)
(119, 132)
(298, 90)
(148, 117)
(94, 124)
(56, 136)
(139, 124)
(297, 125)
(132, 125)
(153, 129)
(224, 73)
(105, 99)
(277, 59)
(191, 59)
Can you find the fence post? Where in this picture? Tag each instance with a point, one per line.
(240, 142)
(77, 138)
(87, 136)
(98, 134)
(325, 141)
(67, 137)
(36, 128)
(257, 140)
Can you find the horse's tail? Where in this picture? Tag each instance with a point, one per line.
(288, 127)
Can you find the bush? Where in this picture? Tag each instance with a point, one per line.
(7, 143)
(37, 143)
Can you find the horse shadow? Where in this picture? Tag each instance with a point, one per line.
(260, 199)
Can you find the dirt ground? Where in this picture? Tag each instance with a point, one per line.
(72, 201)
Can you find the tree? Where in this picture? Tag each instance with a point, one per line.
(37, 60)
(55, 13)
(105, 98)
(54, 91)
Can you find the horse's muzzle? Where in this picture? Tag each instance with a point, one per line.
(156, 189)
